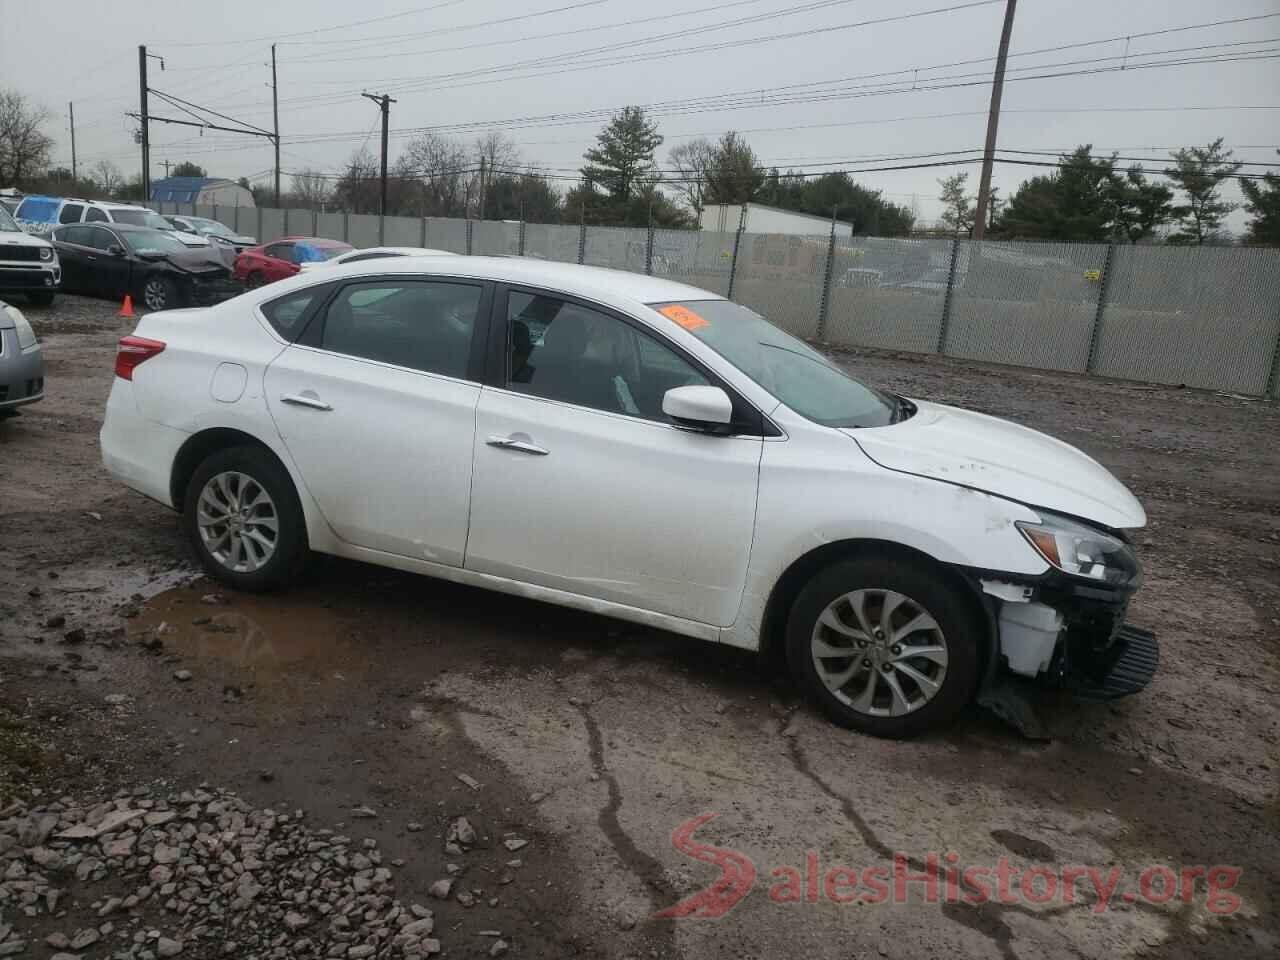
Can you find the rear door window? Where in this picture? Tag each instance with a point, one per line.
(286, 314)
(281, 251)
(96, 215)
(71, 213)
(424, 325)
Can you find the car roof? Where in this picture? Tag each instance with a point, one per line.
(315, 241)
(592, 283)
(403, 251)
(122, 227)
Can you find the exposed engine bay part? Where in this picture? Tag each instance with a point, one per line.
(1029, 636)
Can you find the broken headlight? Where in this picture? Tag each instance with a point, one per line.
(1082, 551)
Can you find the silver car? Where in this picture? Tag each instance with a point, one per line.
(21, 361)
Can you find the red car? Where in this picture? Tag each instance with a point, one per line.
(282, 258)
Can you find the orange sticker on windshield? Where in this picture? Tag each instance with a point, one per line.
(684, 316)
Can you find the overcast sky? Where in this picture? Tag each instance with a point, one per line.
(218, 55)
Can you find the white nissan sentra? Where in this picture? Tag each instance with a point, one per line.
(639, 448)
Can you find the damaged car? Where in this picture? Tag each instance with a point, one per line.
(160, 272)
(643, 449)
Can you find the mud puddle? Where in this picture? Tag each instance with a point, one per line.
(264, 638)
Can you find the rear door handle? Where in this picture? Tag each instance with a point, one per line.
(306, 399)
(520, 442)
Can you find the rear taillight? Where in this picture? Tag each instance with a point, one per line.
(133, 351)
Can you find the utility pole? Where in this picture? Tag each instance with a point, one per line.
(482, 186)
(146, 144)
(993, 121)
(165, 164)
(384, 103)
(71, 108)
(275, 115)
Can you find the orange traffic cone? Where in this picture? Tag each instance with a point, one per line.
(126, 308)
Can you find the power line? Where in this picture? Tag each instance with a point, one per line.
(426, 81)
(404, 38)
(605, 26)
(305, 33)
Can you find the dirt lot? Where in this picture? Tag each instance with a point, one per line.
(362, 697)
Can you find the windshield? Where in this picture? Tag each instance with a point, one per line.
(212, 227)
(7, 223)
(796, 374)
(141, 218)
(151, 241)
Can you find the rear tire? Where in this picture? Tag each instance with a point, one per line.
(40, 298)
(912, 646)
(255, 280)
(243, 518)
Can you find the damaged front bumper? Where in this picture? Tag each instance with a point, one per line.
(1070, 635)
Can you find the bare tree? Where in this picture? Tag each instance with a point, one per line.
(500, 152)
(690, 162)
(309, 188)
(440, 167)
(358, 190)
(107, 176)
(24, 146)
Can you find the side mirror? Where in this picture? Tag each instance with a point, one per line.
(707, 409)
(115, 250)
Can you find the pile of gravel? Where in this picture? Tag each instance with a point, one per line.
(197, 874)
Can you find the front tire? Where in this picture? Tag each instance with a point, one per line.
(160, 293)
(884, 646)
(242, 516)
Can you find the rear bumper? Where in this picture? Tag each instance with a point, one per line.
(136, 451)
(21, 372)
(205, 293)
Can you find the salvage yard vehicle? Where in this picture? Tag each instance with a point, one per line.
(284, 258)
(213, 231)
(21, 361)
(43, 215)
(111, 260)
(640, 448)
(27, 263)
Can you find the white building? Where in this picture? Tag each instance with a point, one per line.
(206, 191)
(723, 218)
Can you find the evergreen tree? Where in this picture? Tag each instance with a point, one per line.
(1199, 173)
(1262, 200)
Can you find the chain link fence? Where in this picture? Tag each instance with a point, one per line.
(1205, 317)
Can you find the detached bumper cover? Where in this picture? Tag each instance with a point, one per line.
(1125, 667)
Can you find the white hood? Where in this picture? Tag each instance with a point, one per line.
(1009, 460)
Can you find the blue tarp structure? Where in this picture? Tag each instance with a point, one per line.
(180, 189)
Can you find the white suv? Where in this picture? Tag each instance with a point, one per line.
(28, 264)
(96, 211)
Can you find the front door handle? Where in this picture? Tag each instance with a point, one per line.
(305, 399)
(520, 442)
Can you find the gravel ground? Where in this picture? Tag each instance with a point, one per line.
(325, 743)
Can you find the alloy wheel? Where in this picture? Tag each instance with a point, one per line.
(879, 652)
(238, 522)
(155, 294)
